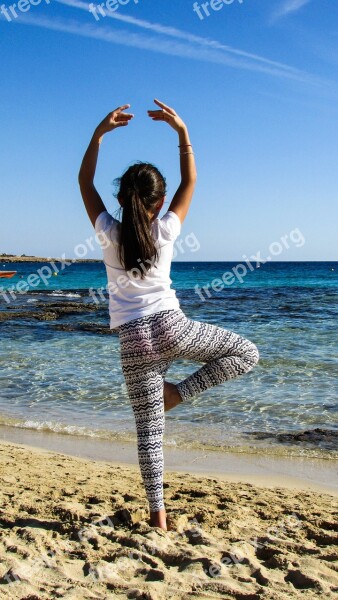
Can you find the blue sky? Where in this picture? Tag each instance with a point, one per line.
(256, 82)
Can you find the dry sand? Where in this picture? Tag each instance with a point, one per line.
(76, 529)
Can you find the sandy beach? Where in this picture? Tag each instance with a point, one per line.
(75, 528)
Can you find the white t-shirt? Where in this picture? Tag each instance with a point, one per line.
(131, 297)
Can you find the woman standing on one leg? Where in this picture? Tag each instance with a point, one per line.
(153, 330)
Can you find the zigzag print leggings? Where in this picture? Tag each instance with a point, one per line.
(148, 345)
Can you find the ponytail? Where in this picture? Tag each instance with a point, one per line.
(141, 188)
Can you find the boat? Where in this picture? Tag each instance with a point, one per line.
(7, 273)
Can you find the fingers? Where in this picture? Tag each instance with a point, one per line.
(121, 108)
(160, 118)
(170, 110)
(117, 114)
(159, 115)
(122, 119)
(124, 116)
(156, 112)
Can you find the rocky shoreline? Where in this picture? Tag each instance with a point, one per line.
(61, 314)
(10, 258)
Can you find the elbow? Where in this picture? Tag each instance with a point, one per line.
(80, 176)
(82, 179)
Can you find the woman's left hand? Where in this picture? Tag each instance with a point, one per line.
(114, 119)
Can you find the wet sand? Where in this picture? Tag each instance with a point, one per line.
(261, 468)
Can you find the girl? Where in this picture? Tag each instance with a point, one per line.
(153, 330)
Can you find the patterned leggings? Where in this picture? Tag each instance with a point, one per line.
(148, 346)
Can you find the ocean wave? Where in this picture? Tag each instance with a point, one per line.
(55, 427)
(61, 293)
(238, 445)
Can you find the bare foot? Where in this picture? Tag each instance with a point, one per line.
(171, 396)
(158, 518)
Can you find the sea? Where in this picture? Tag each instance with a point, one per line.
(60, 366)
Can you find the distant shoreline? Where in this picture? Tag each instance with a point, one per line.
(12, 258)
(9, 258)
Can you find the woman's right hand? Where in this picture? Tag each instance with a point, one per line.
(114, 119)
(168, 115)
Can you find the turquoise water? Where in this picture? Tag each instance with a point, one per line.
(70, 379)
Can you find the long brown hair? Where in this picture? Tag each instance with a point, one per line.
(140, 188)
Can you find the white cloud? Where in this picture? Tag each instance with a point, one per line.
(167, 40)
(287, 7)
(179, 34)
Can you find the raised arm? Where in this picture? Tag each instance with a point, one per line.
(91, 198)
(183, 196)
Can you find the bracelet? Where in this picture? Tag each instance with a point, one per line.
(179, 145)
